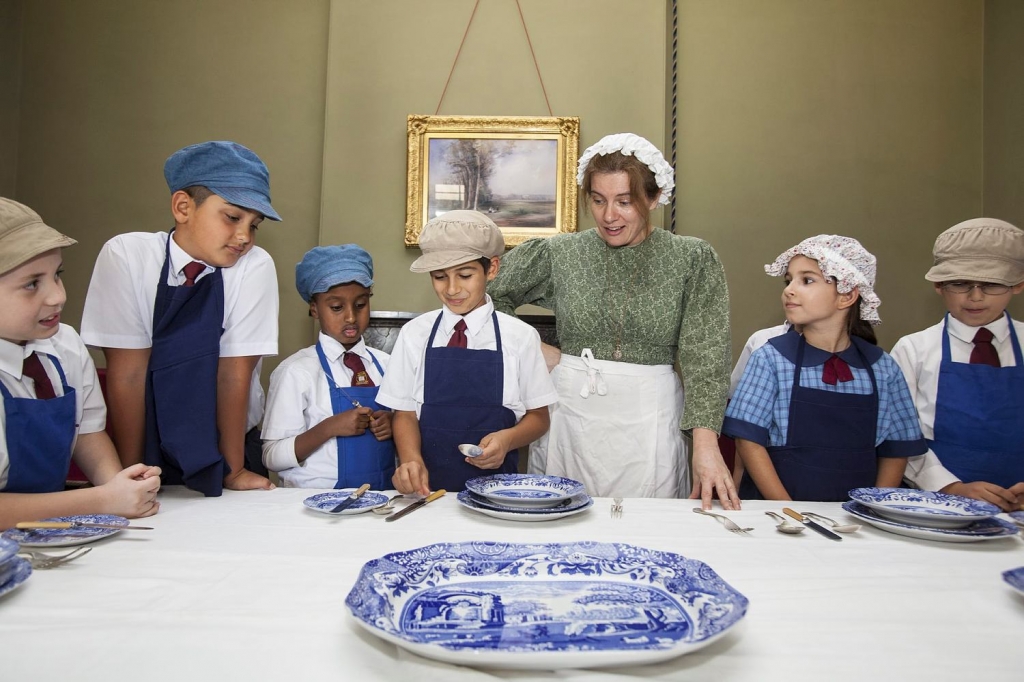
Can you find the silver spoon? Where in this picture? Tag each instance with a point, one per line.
(836, 526)
(785, 526)
(387, 507)
(470, 450)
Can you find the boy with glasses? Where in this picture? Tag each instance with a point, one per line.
(966, 373)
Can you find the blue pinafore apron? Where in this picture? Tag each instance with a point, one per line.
(462, 403)
(361, 459)
(830, 442)
(979, 418)
(39, 438)
(181, 384)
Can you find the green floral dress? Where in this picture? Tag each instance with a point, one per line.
(661, 302)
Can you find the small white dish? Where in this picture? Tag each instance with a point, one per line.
(924, 507)
(575, 506)
(325, 502)
(985, 529)
(525, 490)
(67, 537)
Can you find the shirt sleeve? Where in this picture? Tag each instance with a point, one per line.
(704, 342)
(113, 287)
(94, 407)
(250, 323)
(750, 413)
(396, 390)
(284, 419)
(900, 429)
(524, 277)
(927, 473)
(535, 386)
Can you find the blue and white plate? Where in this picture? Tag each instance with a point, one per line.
(544, 606)
(1015, 578)
(986, 529)
(67, 537)
(1018, 517)
(8, 548)
(22, 570)
(924, 507)
(573, 505)
(525, 490)
(325, 502)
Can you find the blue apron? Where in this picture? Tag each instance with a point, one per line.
(462, 403)
(39, 438)
(181, 384)
(361, 459)
(830, 443)
(979, 427)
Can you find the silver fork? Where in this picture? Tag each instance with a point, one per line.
(42, 561)
(729, 524)
(617, 508)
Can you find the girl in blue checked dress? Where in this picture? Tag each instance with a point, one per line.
(823, 410)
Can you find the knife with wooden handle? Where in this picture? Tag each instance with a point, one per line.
(351, 499)
(416, 505)
(817, 528)
(37, 525)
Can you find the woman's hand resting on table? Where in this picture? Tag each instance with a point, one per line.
(710, 475)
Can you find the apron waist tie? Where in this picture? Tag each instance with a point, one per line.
(594, 382)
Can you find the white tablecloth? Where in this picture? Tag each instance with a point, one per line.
(251, 586)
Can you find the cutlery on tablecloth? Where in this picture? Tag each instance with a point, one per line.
(351, 499)
(816, 527)
(416, 505)
(38, 525)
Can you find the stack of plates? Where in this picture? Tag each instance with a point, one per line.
(928, 515)
(525, 497)
(13, 569)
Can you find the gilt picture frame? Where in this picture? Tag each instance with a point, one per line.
(520, 171)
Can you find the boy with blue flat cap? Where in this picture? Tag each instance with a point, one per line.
(184, 319)
(323, 427)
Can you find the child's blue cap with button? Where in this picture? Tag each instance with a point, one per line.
(229, 170)
(324, 267)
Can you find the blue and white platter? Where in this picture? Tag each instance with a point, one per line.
(985, 529)
(525, 490)
(8, 548)
(544, 606)
(1018, 517)
(1015, 578)
(22, 570)
(924, 507)
(325, 502)
(573, 505)
(67, 537)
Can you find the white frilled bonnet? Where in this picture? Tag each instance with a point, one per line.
(843, 260)
(636, 146)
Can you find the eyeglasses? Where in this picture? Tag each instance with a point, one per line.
(968, 287)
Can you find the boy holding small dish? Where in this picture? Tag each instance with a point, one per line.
(966, 373)
(464, 374)
(51, 407)
(323, 427)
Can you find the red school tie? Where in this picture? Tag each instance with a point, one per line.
(33, 369)
(984, 353)
(359, 375)
(458, 339)
(836, 369)
(191, 271)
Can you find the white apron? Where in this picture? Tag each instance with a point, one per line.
(615, 428)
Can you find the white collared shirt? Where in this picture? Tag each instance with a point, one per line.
(919, 356)
(299, 399)
(756, 340)
(122, 293)
(90, 410)
(527, 384)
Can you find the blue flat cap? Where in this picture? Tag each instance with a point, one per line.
(324, 267)
(229, 170)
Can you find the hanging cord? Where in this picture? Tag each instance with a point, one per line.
(535, 64)
(528, 42)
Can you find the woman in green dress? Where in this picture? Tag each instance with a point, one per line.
(630, 302)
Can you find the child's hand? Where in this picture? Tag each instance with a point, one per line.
(1005, 499)
(495, 446)
(351, 422)
(380, 425)
(132, 494)
(148, 472)
(412, 477)
(243, 479)
(1018, 490)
